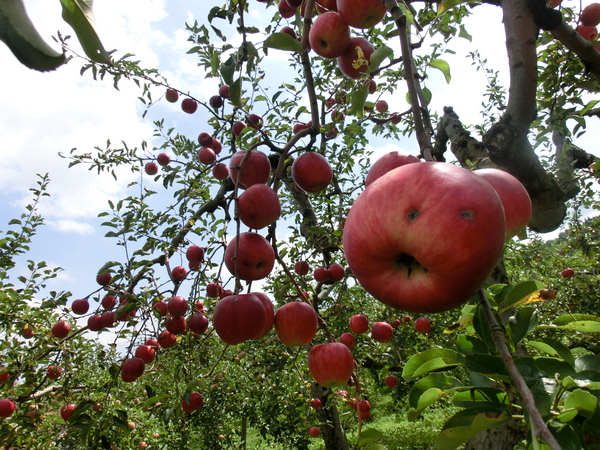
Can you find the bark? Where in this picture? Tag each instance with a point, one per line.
(332, 431)
(505, 437)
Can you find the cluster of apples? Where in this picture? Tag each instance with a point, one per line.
(588, 22)
(425, 236)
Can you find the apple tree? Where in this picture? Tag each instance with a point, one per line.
(248, 251)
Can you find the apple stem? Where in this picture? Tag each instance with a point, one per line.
(538, 426)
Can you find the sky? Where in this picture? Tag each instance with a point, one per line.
(44, 114)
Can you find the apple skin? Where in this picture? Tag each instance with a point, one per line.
(567, 273)
(255, 169)
(321, 274)
(216, 101)
(108, 319)
(386, 163)
(220, 171)
(172, 95)
(162, 307)
(425, 237)
(348, 340)
(189, 105)
(108, 302)
(54, 372)
(176, 325)
(311, 172)
(590, 15)
(7, 407)
(514, 197)
(95, 322)
(258, 206)
(4, 375)
(269, 313)
(255, 256)
(198, 323)
(381, 106)
(195, 402)
(285, 9)
(238, 127)
(361, 13)
(359, 324)
(224, 91)
(178, 274)
(163, 159)
(351, 63)
(213, 290)
(80, 306)
(238, 318)
(254, 121)
(194, 253)
(166, 339)
(382, 332)
(207, 156)
(177, 306)
(133, 367)
(588, 33)
(331, 364)
(151, 168)
(296, 324)
(391, 381)
(103, 279)
(61, 329)
(329, 35)
(67, 410)
(146, 353)
(336, 272)
(422, 325)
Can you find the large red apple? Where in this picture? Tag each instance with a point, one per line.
(166, 339)
(176, 325)
(269, 313)
(61, 329)
(238, 318)
(425, 237)
(251, 254)
(177, 306)
(7, 407)
(331, 364)
(194, 253)
(95, 322)
(311, 172)
(80, 306)
(382, 332)
(198, 323)
(329, 35)
(361, 13)
(253, 169)
(296, 324)
(386, 163)
(514, 197)
(146, 353)
(359, 324)
(590, 15)
(258, 206)
(133, 367)
(355, 60)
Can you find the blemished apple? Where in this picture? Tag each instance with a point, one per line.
(172, 95)
(207, 156)
(177, 306)
(361, 13)
(514, 197)
(311, 172)
(220, 171)
(269, 313)
(151, 168)
(61, 329)
(176, 325)
(348, 340)
(194, 253)
(238, 318)
(329, 35)
(567, 273)
(590, 15)
(391, 381)
(355, 60)
(331, 364)
(198, 323)
(163, 159)
(386, 163)
(189, 105)
(301, 267)
(252, 169)
(359, 324)
(314, 432)
(251, 254)
(103, 279)
(422, 325)
(193, 403)
(296, 324)
(7, 407)
(382, 332)
(396, 236)
(54, 372)
(146, 353)
(258, 206)
(166, 339)
(80, 306)
(178, 273)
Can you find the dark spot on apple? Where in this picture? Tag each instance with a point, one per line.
(413, 214)
(409, 263)
(467, 214)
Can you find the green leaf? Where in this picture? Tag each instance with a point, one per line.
(551, 366)
(427, 398)
(464, 34)
(566, 436)
(358, 101)
(368, 436)
(568, 318)
(489, 365)
(519, 293)
(407, 13)
(583, 326)
(235, 92)
(378, 56)
(20, 35)
(582, 401)
(427, 391)
(482, 328)
(522, 323)
(151, 401)
(228, 70)
(78, 14)
(283, 41)
(588, 363)
(478, 396)
(589, 106)
(442, 66)
(433, 359)
(468, 345)
(553, 348)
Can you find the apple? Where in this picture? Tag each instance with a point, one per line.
(252, 169)
(146, 353)
(329, 35)
(331, 364)
(298, 127)
(220, 171)
(176, 325)
(422, 325)
(258, 206)
(296, 324)
(590, 16)
(365, 415)
(361, 13)
(407, 319)
(163, 159)
(311, 172)
(382, 332)
(189, 105)
(396, 236)
(152, 342)
(386, 163)
(547, 294)
(80, 306)
(354, 62)
(314, 432)
(359, 324)
(207, 156)
(514, 197)
(391, 381)
(290, 31)
(321, 274)
(337, 116)
(108, 319)
(216, 101)
(108, 302)
(27, 332)
(336, 272)
(177, 306)
(348, 340)
(205, 139)
(238, 318)
(151, 168)
(4, 375)
(216, 145)
(249, 256)
(194, 253)
(67, 410)
(178, 274)
(103, 279)
(162, 307)
(553, 3)
(301, 267)
(61, 329)
(396, 323)
(54, 372)
(269, 313)
(198, 323)
(372, 85)
(238, 127)
(254, 121)
(588, 33)
(143, 445)
(364, 406)
(214, 290)
(172, 95)
(95, 322)
(166, 339)
(567, 273)
(381, 106)
(133, 367)
(193, 403)
(285, 9)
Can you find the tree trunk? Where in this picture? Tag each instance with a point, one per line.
(505, 437)
(331, 428)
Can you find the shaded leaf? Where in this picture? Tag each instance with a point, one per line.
(378, 56)
(465, 424)
(78, 14)
(367, 436)
(359, 97)
(283, 41)
(522, 323)
(433, 359)
(468, 345)
(443, 67)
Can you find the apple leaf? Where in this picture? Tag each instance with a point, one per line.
(522, 323)
(427, 391)
(107, 266)
(478, 396)
(568, 318)
(445, 5)
(19, 34)
(235, 92)
(358, 101)
(468, 345)
(378, 56)
(152, 400)
(283, 41)
(427, 398)
(368, 436)
(588, 363)
(78, 14)
(582, 401)
(554, 348)
(443, 67)
(407, 13)
(549, 367)
(429, 360)
(519, 293)
(567, 437)
(228, 69)
(489, 365)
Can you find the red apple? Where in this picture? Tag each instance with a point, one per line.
(54, 372)
(348, 340)
(299, 127)
(224, 91)
(177, 306)
(194, 253)
(391, 381)
(166, 339)
(198, 323)
(311, 172)
(422, 325)
(80, 306)
(321, 274)
(178, 274)
(382, 332)
(258, 206)
(567, 273)
(193, 403)
(163, 159)
(386, 163)
(269, 313)
(588, 33)
(314, 432)
(301, 267)
(108, 302)
(254, 121)
(220, 171)
(238, 127)
(238, 318)
(61, 329)
(214, 290)
(514, 197)
(590, 16)
(354, 62)
(172, 95)
(361, 13)
(359, 324)
(152, 342)
(95, 322)
(162, 307)
(67, 410)
(108, 319)
(7, 407)
(151, 168)
(336, 272)
(396, 236)
(315, 403)
(381, 106)
(4, 375)
(216, 101)
(207, 156)
(252, 169)
(205, 139)
(28, 332)
(133, 367)
(331, 364)
(146, 353)
(329, 35)
(251, 254)
(296, 324)
(216, 145)
(103, 279)
(176, 325)
(407, 319)
(290, 31)
(189, 105)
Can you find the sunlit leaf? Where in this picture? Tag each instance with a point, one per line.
(78, 14)
(283, 41)
(443, 67)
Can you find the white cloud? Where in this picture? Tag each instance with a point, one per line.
(68, 226)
